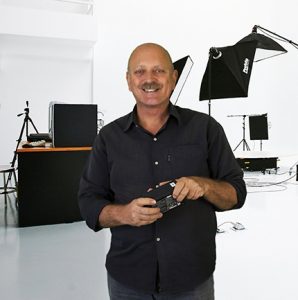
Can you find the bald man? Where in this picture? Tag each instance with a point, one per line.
(154, 254)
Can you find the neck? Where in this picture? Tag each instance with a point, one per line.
(152, 118)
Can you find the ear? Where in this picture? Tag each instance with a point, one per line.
(128, 80)
(175, 76)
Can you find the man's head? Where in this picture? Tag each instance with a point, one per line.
(150, 75)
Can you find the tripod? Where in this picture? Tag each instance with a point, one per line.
(27, 119)
(243, 141)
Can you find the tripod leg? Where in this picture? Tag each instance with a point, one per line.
(246, 145)
(12, 164)
(31, 122)
(25, 125)
(238, 145)
(18, 143)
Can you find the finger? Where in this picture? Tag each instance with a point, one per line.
(194, 192)
(183, 194)
(141, 219)
(145, 206)
(149, 211)
(163, 182)
(178, 188)
(145, 201)
(199, 193)
(143, 223)
(150, 218)
(181, 190)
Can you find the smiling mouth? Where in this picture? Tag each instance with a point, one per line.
(150, 87)
(150, 90)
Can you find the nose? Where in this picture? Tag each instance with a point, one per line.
(150, 76)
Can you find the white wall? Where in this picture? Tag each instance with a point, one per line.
(52, 68)
(73, 6)
(44, 56)
(191, 27)
(41, 70)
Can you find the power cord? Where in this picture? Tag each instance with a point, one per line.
(236, 226)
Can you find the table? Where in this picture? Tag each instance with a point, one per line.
(48, 180)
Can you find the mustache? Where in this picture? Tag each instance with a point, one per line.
(150, 85)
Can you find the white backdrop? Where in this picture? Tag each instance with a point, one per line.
(44, 56)
(41, 73)
(191, 27)
(184, 28)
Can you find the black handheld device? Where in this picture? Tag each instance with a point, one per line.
(163, 197)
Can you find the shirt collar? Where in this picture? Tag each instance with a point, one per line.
(132, 117)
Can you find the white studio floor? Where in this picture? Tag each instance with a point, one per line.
(66, 261)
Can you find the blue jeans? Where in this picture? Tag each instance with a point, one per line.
(118, 291)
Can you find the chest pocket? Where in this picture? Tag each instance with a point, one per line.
(188, 160)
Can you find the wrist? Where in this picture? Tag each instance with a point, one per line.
(112, 215)
(204, 183)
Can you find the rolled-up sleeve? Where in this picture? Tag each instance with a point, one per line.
(222, 162)
(94, 189)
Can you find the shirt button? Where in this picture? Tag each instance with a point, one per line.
(156, 163)
(158, 239)
(155, 139)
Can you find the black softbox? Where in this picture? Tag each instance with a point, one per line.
(265, 43)
(258, 127)
(228, 74)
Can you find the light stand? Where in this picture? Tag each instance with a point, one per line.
(243, 141)
(261, 145)
(27, 120)
(213, 54)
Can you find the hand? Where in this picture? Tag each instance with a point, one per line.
(137, 214)
(190, 188)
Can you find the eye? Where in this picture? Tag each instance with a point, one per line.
(159, 71)
(139, 72)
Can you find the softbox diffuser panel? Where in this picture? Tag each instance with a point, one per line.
(228, 76)
(183, 67)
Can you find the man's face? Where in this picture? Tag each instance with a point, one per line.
(150, 76)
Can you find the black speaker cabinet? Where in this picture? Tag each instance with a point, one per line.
(257, 164)
(73, 125)
(258, 127)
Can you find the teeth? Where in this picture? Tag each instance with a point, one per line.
(150, 90)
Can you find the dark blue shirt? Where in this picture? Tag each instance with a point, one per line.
(125, 162)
